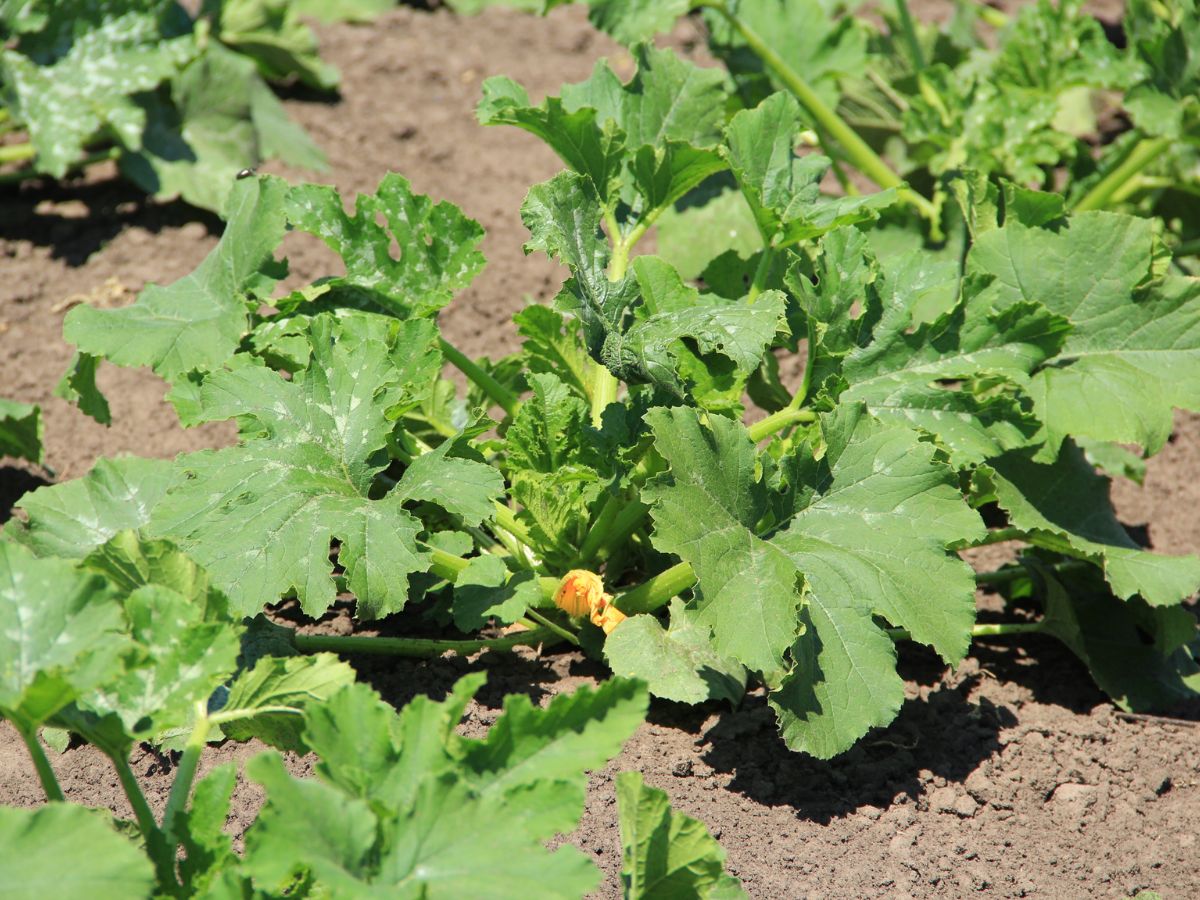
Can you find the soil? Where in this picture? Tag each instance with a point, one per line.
(1009, 777)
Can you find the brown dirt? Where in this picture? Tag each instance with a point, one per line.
(1011, 777)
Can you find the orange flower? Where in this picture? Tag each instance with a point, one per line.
(608, 617)
(580, 592)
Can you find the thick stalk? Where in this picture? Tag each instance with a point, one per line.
(601, 528)
(1139, 156)
(185, 774)
(502, 396)
(761, 273)
(628, 520)
(1009, 574)
(41, 764)
(420, 648)
(162, 853)
(1000, 536)
(778, 421)
(508, 520)
(657, 591)
(857, 150)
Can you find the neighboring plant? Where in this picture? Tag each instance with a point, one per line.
(1043, 98)
(133, 644)
(180, 103)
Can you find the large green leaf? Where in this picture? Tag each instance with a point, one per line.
(409, 809)
(790, 584)
(103, 864)
(261, 516)
(197, 322)
(665, 854)
(78, 74)
(1133, 353)
(20, 430)
(61, 638)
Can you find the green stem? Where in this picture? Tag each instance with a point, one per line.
(11, 153)
(1001, 629)
(909, 32)
(181, 789)
(857, 150)
(761, 273)
(778, 421)
(628, 520)
(418, 647)
(550, 625)
(600, 528)
(1137, 158)
(502, 396)
(41, 764)
(1187, 248)
(657, 591)
(162, 853)
(810, 359)
(508, 520)
(1000, 536)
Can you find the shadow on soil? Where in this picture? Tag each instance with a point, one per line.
(75, 219)
(15, 482)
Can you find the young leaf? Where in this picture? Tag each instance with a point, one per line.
(270, 32)
(62, 635)
(74, 518)
(20, 430)
(272, 697)
(782, 189)
(104, 865)
(678, 662)
(665, 853)
(197, 322)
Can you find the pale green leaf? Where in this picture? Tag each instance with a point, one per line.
(103, 864)
(678, 662)
(78, 386)
(62, 635)
(197, 322)
(73, 518)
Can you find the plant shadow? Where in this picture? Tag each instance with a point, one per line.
(75, 218)
(16, 482)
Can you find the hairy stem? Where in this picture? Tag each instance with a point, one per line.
(419, 647)
(550, 625)
(502, 396)
(17, 153)
(1000, 536)
(41, 764)
(1137, 158)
